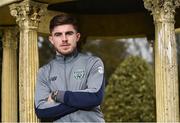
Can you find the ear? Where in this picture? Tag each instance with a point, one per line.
(78, 36)
(51, 40)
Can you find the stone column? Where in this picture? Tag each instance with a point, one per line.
(166, 76)
(9, 87)
(27, 14)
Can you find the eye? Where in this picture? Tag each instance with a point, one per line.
(70, 33)
(57, 34)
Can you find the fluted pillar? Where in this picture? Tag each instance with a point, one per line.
(27, 14)
(166, 76)
(9, 110)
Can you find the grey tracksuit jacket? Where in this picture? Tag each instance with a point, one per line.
(80, 81)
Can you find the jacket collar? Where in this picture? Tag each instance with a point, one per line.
(66, 58)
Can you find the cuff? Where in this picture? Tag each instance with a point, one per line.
(60, 96)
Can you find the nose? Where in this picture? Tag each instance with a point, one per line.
(64, 38)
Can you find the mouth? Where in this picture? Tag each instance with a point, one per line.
(65, 46)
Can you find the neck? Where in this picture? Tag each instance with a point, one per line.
(66, 58)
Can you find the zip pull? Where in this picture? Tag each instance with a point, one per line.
(64, 58)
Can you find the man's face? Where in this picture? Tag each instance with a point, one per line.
(64, 38)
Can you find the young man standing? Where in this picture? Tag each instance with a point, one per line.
(70, 88)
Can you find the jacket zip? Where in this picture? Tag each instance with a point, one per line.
(65, 72)
(66, 79)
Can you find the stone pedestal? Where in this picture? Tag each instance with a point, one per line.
(27, 15)
(9, 87)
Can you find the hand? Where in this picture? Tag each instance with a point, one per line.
(50, 100)
(54, 95)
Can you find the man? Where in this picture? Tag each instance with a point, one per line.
(70, 88)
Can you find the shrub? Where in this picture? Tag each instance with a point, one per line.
(129, 96)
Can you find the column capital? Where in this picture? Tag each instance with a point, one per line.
(10, 37)
(28, 13)
(162, 10)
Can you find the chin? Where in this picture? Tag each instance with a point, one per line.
(66, 52)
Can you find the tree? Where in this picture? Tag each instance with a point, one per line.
(46, 51)
(112, 52)
(129, 96)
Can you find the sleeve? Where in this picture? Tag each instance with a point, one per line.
(92, 96)
(43, 108)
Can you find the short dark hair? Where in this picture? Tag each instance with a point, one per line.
(62, 19)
